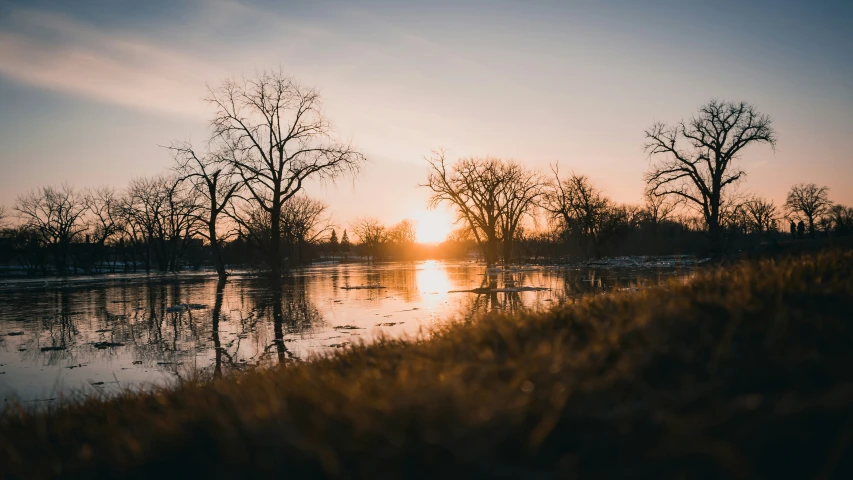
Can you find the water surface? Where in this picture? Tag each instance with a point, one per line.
(105, 333)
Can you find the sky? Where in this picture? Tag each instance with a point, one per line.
(90, 90)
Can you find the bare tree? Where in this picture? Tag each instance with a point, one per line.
(371, 234)
(824, 222)
(165, 215)
(461, 234)
(761, 215)
(56, 215)
(183, 220)
(841, 218)
(4, 214)
(402, 233)
(143, 210)
(733, 216)
(253, 224)
(807, 202)
(215, 180)
(105, 221)
(304, 221)
(577, 204)
(615, 222)
(103, 205)
(490, 196)
(472, 186)
(401, 239)
(696, 160)
(519, 197)
(633, 214)
(277, 138)
(659, 208)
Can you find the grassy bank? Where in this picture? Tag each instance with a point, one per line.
(744, 372)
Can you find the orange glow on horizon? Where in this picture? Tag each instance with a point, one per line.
(432, 226)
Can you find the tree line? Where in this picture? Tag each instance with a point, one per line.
(268, 137)
(694, 171)
(240, 198)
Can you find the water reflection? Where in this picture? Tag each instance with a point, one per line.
(105, 333)
(214, 330)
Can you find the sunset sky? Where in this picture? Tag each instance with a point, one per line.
(88, 90)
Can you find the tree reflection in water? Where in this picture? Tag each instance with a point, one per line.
(215, 314)
(144, 329)
(506, 301)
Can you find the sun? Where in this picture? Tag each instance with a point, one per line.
(432, 226)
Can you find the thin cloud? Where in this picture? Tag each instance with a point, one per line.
(61, 53)
(119, 69)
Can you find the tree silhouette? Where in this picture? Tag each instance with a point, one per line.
(215, 180)
(520, 197)
(696, 160)
(841, 219)
(345, 244)
(103, 206)
(4, 214)
(658, 208)
(334, 245)
(806, 202)
(371, 234)
(490, 196)
(578, 205)
(277, 138)
(761, 215)
(56, 215)
(304, 221)
(163, 217)
(402, 233)
(471, 186)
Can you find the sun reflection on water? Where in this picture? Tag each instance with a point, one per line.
(433, 283)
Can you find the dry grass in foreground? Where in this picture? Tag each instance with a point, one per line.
(744, 372)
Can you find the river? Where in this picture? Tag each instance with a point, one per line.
(98, 335)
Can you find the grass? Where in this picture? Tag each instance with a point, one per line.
(744, 372)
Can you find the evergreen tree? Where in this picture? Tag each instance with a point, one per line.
(334, 246)
(345, 245)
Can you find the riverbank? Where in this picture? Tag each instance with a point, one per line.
(740, 372)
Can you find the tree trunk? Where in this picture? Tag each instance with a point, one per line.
(215, 250)
(275, 240)
(162, 255)
(148, 254)
(59, 257)
(714, 234)
(507, 250)
(491, 250)
(217, 256)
